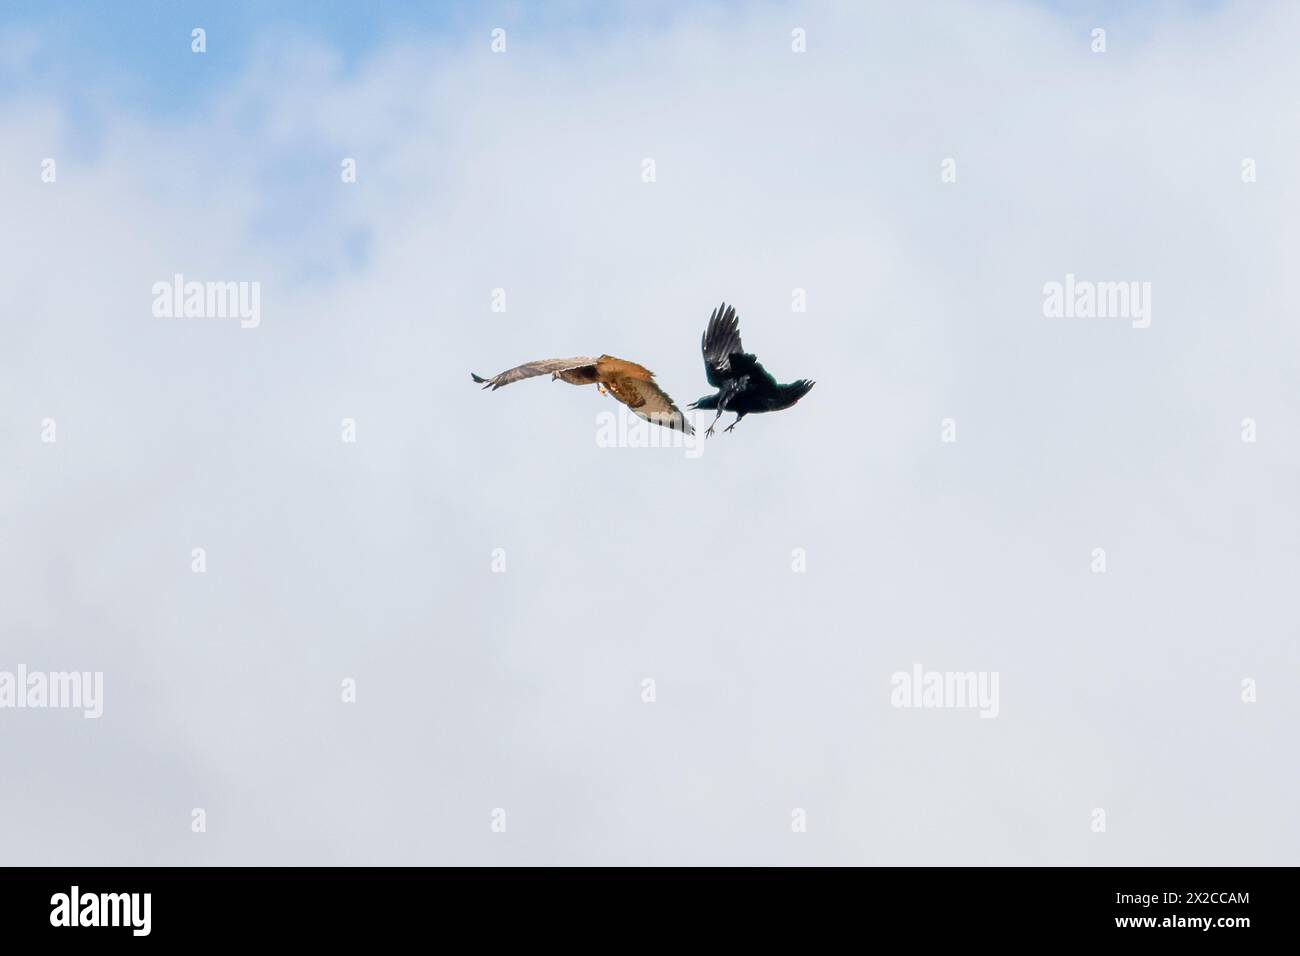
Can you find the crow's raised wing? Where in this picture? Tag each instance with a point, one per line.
(746, 364)
(530, 369)
(721, 340)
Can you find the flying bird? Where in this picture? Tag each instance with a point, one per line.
(743, 385)
(633, 385)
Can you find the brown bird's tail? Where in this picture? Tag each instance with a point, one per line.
(481, 381)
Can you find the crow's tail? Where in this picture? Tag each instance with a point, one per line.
(787, 395)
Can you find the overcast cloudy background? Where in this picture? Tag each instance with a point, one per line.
(522, 690)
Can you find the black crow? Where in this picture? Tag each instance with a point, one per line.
(743, 385)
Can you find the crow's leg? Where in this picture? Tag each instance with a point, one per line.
(735, 423)
(715, 421)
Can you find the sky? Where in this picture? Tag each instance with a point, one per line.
(348, 609)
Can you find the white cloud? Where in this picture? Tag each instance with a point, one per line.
(775, 171)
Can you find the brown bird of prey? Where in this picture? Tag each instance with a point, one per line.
(633, 385)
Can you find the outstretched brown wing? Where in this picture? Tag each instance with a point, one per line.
(644, 397)
(531, 369)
